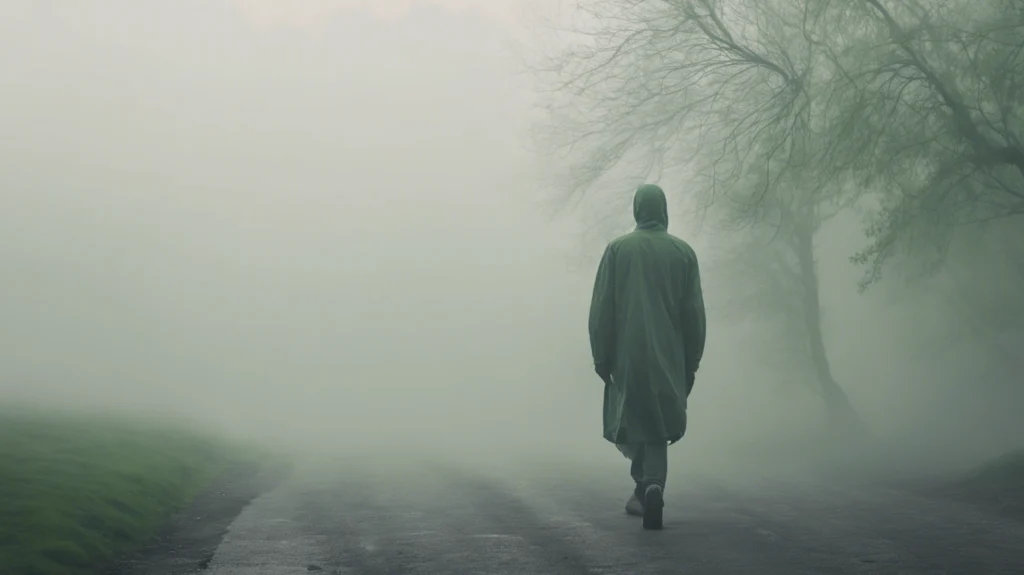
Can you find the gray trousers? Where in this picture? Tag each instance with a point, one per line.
(649, 464)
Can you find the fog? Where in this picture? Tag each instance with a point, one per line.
(322, 225)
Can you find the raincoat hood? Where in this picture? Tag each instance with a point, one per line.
(650, 208)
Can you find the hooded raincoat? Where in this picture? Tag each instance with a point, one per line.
(647, 326)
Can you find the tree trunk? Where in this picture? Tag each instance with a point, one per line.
(841, 413)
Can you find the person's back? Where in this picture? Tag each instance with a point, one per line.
(647, 332)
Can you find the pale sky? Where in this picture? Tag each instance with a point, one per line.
(310, 12)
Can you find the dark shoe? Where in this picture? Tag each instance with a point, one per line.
(634, 507)
(654, 503)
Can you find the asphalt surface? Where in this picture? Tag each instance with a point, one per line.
(367, 517)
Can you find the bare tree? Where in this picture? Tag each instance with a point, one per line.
(775, 281)
(654, 85)
(919, 102)
(926, 109)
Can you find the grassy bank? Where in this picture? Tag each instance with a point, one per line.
(77, 491)
(998, 484)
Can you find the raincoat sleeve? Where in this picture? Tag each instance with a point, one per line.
(694, 320)
(602, 313)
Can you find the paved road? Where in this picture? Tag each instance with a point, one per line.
(369, 517)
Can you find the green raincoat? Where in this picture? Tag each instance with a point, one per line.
(647, 326)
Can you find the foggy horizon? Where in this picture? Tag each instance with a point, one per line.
(329, 229)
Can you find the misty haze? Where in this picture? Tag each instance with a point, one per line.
(335, 261)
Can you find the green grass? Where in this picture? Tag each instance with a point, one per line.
(76, 492)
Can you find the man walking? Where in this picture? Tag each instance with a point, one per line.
(647, 331)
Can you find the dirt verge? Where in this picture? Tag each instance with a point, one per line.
(189, 540)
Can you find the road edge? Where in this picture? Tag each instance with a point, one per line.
(187, 542)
